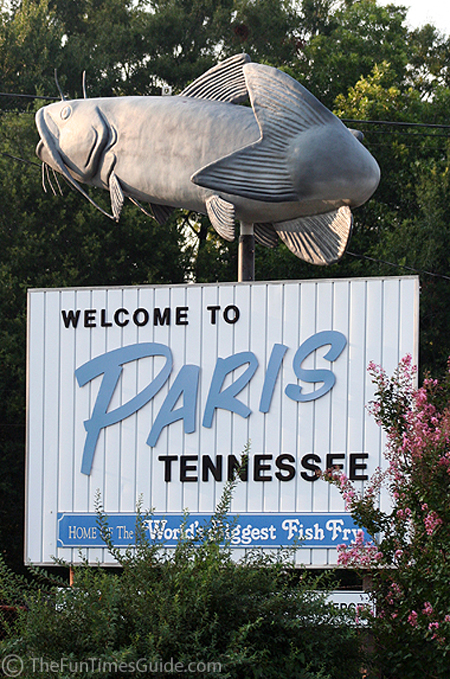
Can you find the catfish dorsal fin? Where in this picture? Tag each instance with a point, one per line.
(224, 82)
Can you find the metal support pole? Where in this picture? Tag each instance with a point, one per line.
(246, 254)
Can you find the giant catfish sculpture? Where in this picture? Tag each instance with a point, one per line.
(286, 165)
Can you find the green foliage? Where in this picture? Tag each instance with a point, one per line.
(194, 605)
(266, 30)
(30, 47)
(347, 43)
(409, 563)
(133, 48)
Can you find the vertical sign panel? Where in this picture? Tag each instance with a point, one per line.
(151, 394)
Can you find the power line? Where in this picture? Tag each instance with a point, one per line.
(395, 123)
(411, 134)
(398, 266)
(21, 160)
(27, 96)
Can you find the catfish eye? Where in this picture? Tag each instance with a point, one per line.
(65, 113)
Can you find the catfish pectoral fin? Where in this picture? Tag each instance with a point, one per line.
(320, 239)
(117, 197)
(159, 212)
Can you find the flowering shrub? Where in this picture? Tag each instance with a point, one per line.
(409, 554)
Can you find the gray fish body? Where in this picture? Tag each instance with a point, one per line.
(167, 138)
(285, 158)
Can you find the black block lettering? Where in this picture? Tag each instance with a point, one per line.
(141, 317)
(181, 315)
(103, 322)
(259, 467)
(70, 317)
(185, 468)
(161, 318)
(308, 462)
(209, 466)
(89, 318)
(282, 464)
(233, 465)
(121, 322)
(231, 314)
(356, 466)
(168, 459)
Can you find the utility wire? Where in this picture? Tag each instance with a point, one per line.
(28, 96)
(398, 266)
(410, 134)
(394, 123)
(20, 160)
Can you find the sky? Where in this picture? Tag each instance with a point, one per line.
(421, 12)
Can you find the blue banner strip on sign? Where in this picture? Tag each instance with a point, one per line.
(243, 530)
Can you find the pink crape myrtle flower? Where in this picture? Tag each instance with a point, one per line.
(427, 608)
(431, 520)
(360, 554)
(412, 619)
(433, 627)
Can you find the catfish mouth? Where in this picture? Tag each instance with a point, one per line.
(48, 152)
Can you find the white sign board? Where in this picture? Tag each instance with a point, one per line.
(353, 602)
(151, 393)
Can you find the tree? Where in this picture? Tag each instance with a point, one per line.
(268, 31)
(30, 49)
(343, 46)
(406, 222)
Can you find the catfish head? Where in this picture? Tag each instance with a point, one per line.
(74, 137)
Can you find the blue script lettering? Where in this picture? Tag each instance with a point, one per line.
(320, 339)
(110, 365)
(275, 361)
(186, 383)
(226, 399)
